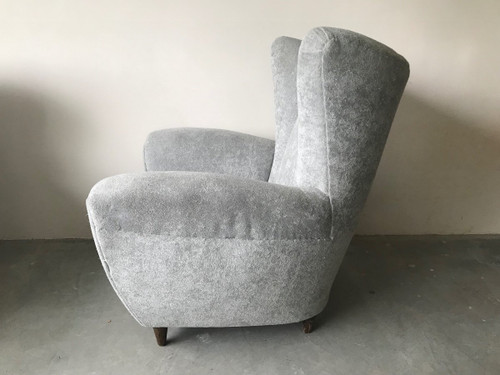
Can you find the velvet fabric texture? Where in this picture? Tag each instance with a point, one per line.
(213, 235)
(209, 150)
(208, 205)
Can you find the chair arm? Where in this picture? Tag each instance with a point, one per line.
(207, 205)
(209, 150)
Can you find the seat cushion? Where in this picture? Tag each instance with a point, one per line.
(205, 205)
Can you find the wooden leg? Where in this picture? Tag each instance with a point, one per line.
(161, 335)
(308, 325)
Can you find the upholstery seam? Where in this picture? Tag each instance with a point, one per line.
(230, 238)
(324, 32)
(108, 273)
(144, 155)
(327, 45)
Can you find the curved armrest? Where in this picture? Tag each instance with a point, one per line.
(209, 150)
(206, 205)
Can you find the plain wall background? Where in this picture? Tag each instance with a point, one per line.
(82, 83)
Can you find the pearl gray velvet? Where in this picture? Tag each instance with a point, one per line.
(209, 150)
(284, 55)
(348, 90)
(202, 242)
(209, 205)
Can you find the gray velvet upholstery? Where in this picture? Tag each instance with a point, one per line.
(284, 55)
(207, 205)
(209, 150)
(200, 241)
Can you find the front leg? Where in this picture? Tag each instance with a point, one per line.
(161, 335)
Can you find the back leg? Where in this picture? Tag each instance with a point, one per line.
(308, 325)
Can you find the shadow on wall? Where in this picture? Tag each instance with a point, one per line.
(37, 139)
(439, 175)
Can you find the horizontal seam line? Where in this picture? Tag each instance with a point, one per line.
(229, 238)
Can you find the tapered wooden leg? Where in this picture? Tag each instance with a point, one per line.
(308, 325)
(161, 335)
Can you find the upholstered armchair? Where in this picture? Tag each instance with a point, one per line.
(225, 229)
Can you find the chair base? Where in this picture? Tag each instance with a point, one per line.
(161, 332)
(161, 335)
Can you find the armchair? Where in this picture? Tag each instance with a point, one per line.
(226, 229)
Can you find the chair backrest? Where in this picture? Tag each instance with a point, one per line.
(336, 94)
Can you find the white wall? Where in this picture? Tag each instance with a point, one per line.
(83, 82)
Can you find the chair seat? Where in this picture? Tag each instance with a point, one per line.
(206, 205)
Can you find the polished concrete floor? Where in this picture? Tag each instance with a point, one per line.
(400, 305)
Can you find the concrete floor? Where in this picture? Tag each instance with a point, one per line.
(400, 305)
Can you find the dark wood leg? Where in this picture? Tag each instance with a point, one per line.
(308, 325)
(161, 335)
